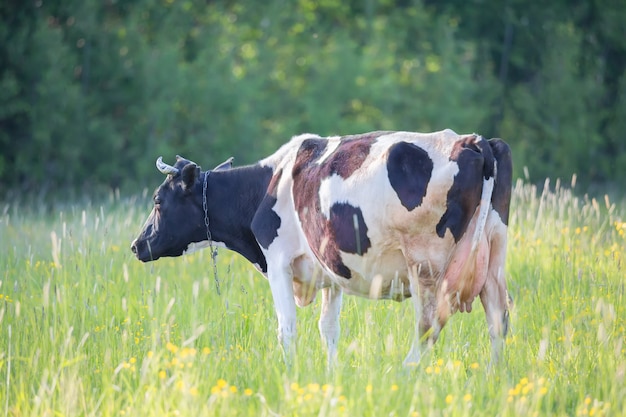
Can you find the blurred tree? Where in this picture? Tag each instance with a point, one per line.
(92, 92)
(559, 66)
(19, 22)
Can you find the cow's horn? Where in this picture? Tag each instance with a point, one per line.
(165, 168)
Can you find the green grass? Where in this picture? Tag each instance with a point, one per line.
(86, 330)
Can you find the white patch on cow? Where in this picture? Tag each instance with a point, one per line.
(196, 246)
(329, 187)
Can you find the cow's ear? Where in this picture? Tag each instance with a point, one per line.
(190, 173)
(227, 164)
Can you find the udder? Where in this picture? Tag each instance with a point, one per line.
(466, 273)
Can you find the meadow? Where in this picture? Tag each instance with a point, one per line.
(87, 330)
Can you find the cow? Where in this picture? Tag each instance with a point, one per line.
(382, 215)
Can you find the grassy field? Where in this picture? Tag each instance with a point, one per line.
(86, 330)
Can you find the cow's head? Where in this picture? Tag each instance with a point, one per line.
(177, 218)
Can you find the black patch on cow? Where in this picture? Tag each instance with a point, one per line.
(322, 233)
(409, 169)
(349, 228)
(234, 197)
(266, 222)
(464, 195)
(501, 198)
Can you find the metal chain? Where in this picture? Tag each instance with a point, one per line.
(208, 232)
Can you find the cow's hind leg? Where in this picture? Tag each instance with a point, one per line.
(495, 300)
(329, 321)
(494, 296)
(427, 323)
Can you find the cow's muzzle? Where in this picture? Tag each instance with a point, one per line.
(142, 251)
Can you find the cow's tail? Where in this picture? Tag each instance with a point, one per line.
(483, 211)
(490, 169)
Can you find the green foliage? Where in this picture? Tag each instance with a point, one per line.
(91, 92)
(548, 119)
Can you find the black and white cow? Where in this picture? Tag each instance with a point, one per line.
(383, 215)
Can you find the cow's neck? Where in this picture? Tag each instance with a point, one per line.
(233, 197)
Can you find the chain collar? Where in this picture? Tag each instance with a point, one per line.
(208, 231)
(206, 209)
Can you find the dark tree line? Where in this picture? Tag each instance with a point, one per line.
(92, 91)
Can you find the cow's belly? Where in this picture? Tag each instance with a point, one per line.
(380, 276)
(382, 272)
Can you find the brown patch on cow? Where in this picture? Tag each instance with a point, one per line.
(466, 142)
(477, 144)
(351, 153)
(308, 174)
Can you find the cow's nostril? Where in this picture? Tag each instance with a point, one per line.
(133, 247)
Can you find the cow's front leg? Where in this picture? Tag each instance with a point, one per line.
(281, 284)
(329, 321)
